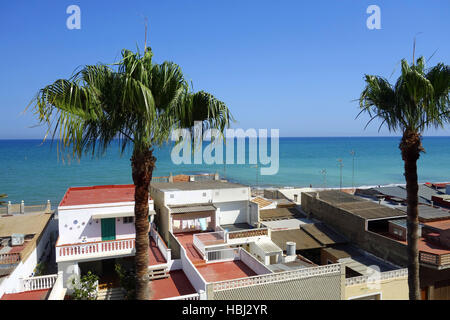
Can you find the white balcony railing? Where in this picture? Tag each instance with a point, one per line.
(377, 276)
(37, 283)
(233, 236)
(222, 255)
(203, 240)
(9, 258)
(194, 296)
(93, 249)
(277, 277)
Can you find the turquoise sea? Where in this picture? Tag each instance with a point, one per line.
(31, 171)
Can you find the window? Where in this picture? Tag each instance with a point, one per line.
(128, 219)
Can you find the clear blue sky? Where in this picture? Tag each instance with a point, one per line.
(293, 65)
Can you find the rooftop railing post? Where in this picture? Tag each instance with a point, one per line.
(202, 295)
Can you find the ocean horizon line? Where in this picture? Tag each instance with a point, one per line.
(284, 137)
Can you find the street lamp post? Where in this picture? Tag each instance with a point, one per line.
(353, 169)
(324, 173)
(340, 167)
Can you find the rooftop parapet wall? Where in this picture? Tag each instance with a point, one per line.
(351, 226)
(317, 283)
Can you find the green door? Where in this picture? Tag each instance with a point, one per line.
(109, 229)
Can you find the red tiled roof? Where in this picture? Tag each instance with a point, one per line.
(98, 194)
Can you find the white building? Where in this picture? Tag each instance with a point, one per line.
(97, 230)
(201, 205)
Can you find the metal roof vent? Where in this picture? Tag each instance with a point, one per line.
(290, 248)
(17, 239)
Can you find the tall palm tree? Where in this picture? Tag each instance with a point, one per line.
(137, 102)
(419, 100)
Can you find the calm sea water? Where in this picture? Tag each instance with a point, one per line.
(32, 172)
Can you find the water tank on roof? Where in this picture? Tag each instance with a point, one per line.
(290, 248)
(17, 239)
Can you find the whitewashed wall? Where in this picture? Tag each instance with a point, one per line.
(180, 197)
(253, 263)
(233, 212)
(76, 222)
(253, 213)
(231, 194)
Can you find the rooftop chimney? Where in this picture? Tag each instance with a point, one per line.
(48, 208)
(170, 177)
(22, 207)
(9, 208)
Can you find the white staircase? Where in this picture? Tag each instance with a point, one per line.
(110, 294)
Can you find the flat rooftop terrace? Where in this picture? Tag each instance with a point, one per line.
(186, 240)
(195, 185)
(221, 271)
(301, 238)
(27, 295)
(236, 227)
(76, 196)
(33, 223)
(177, 284)
(155, 257)
(295, 223)
(280, 214)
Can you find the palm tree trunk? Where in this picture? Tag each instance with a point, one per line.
(411, 146)
(142, 163)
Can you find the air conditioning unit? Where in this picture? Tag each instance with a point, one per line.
(17, 239)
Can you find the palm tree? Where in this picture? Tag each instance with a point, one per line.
(419, 100)
(137, 102)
